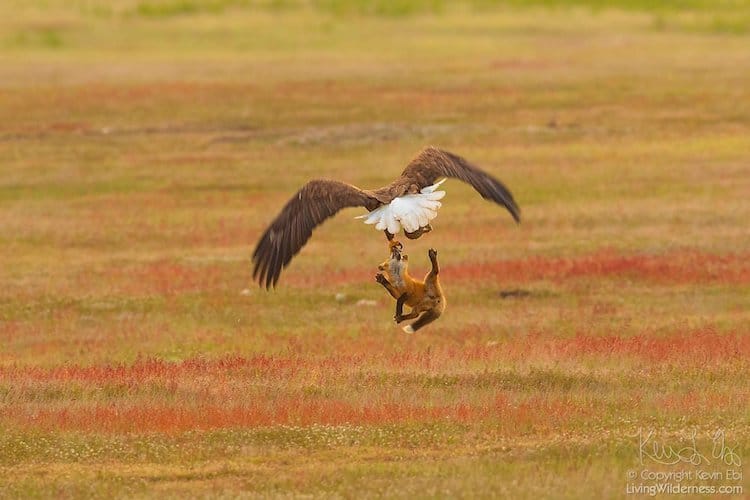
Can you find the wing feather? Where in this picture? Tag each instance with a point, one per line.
(308, 208)
(432, 164)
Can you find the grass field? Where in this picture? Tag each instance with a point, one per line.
(144, 146)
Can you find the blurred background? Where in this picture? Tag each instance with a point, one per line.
(146, 144)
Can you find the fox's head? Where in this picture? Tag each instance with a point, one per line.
(394, 247)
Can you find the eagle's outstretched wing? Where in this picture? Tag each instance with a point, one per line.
(432, 164)
(308, 208)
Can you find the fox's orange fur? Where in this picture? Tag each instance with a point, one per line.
(425, 298)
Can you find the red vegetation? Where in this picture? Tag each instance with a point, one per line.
(693, 347)
(696, 402)
(684, 267)
(690, 346)
(154, 369)
(538, 412)
(166, 277)
(675, 267)
(696, 346)
(367, 384)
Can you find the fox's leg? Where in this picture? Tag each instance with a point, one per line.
(400, 305)
(399, 317)
(423, 320)
(389, 235)
(433, 258)
(380, 278)
(411, 315)
(431, 276)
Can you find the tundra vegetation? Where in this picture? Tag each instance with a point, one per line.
(145, 144)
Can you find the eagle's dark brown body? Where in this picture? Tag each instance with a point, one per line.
(320, 199)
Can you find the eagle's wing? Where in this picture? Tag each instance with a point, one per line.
(288, 233)
(432, 164)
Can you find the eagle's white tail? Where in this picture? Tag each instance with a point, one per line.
(411, 211)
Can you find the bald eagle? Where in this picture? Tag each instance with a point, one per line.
(409, 203)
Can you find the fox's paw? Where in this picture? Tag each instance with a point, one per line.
(408, 329)
(398, 319)
(432, 253)
(380, 278)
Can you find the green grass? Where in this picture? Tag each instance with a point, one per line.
(145, 145)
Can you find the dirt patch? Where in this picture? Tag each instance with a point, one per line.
(351, 134)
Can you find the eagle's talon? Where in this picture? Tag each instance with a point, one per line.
(419, 232)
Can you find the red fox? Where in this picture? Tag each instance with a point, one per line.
(424, 297)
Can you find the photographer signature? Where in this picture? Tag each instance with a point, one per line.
(662, 453)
